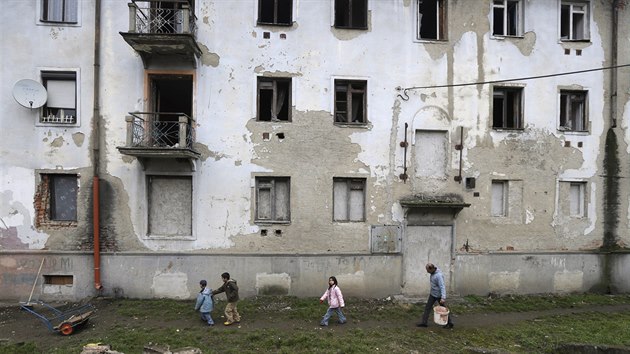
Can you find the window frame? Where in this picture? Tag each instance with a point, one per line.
(581, 206)
(350, 16)
(339, 82)
(571, 36)
(517, 113)
(349, 182)
(261, 81)
(441, 17)
(566, 110)
(276, 6)
(505, 190)
(40, 19)
(519, 18)
(43, 71)
(45, 195)
(261, 182)
(148, 190)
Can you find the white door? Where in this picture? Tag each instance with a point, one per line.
(424, 244)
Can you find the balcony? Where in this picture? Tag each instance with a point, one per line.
(163, 32)
(152, 135)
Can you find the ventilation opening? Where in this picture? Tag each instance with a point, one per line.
(58, 279)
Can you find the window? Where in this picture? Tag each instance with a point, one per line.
(577, 199)
(573, 111)
(350, 102)
(275, 12)
(507, 108)
(61, 106)
(351, 14)
(273, 199)
(349, 199)
(59, 11)
(274, 99)
(56, 199)
(499, 198)
(574, 21)
(507, 18)
(431, 19)
(169, 206)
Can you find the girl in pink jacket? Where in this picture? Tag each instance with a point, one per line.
(335, 302)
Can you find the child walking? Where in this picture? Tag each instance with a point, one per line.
(335, 302)
(231, 292)
(205, 303)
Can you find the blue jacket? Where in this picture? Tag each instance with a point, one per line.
(205, 302)
(437, 284)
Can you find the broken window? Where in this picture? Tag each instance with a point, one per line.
(499, 201)
(169, 205)
(274, 99)
(349, 199)
(61, 105)
(431, 19)
(275, 12)
(350, 101)
(351, 14)
(574, 21)
(60, 11)
(506, 18)
(507, 108)
(577, 199)
(273, 199)
(573, 111)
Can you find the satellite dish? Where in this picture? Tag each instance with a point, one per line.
(29, 93)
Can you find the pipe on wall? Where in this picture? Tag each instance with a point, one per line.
(96, 142)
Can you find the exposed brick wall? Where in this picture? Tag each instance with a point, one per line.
(42, 207)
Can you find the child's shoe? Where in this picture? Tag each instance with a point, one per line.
(227, 323)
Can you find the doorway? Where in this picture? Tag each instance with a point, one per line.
(171, 96)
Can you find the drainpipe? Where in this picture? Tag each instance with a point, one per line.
(614, 61)
(96, 142)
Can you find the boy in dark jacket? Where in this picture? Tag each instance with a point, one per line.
(231, 292)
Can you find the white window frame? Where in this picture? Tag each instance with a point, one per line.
(40, 14)
(443, 4)
(40, 122)
(505, 189)
(573, 9)
(519, 17)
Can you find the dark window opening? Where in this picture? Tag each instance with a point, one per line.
(574, 21)
(274, 99)
(171, 98)
(431, 19)
(506, 18)
(507, 108)
(58, 279)
(351, 14)
(350, 102)
(275, 12)
(573, 111)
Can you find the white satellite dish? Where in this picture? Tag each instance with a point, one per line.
(29, 93)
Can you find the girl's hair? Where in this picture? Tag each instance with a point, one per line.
(334, 281)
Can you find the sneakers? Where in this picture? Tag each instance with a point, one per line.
(422, 325)
(227, 323)
(323, 324)
(448, 326)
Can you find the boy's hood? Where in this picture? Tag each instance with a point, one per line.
(207, 291)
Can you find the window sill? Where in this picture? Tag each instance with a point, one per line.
(587, 40)
(58, 24)
(170, 238)
(503, 37)
(574, 132)
(428, 40)
(352, 125)
(508, 129)
(271, 222)
(351, 28)
(274, 24)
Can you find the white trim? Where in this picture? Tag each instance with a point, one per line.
(77, 71)
(39, 22)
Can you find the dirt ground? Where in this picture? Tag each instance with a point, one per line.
(17, 326)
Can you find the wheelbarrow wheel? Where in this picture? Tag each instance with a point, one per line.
(66, 329)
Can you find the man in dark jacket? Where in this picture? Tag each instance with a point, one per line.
(437, 294)
(231, 292)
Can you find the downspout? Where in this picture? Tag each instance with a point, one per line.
(96, 142)
(614, 61)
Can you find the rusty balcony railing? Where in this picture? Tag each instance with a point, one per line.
(160, 130)
(153, 17)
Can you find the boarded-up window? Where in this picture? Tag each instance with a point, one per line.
(273, 199)
(431, 154)
(349, 199)
(499, 198)
(61, 105)
(577, 199)
(60, 11)
(170, 205)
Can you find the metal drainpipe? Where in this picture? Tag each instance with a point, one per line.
(96, 142)
(613, 58)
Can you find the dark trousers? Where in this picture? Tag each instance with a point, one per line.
(429, 307)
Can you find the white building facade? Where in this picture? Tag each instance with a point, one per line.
(285, 141)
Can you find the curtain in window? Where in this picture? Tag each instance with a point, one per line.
(281, 92)
(60, 10)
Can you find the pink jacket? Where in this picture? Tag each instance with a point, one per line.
(334, 296)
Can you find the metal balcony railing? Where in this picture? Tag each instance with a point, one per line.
(160, 130)
(153, 17)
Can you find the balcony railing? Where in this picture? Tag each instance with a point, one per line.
(144, 17)
(160, 130)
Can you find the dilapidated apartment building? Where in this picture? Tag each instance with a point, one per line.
(149, 144)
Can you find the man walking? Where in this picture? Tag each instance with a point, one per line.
(438, 293)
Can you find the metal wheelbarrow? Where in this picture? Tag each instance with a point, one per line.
(59, 321)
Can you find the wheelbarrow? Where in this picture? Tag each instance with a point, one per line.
(59, 321)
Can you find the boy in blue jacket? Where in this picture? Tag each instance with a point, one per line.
(205, 303)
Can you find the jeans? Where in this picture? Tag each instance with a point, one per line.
(429, 307)
(205, 316)
(340, 316)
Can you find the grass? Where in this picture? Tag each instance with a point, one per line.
(291, 327)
